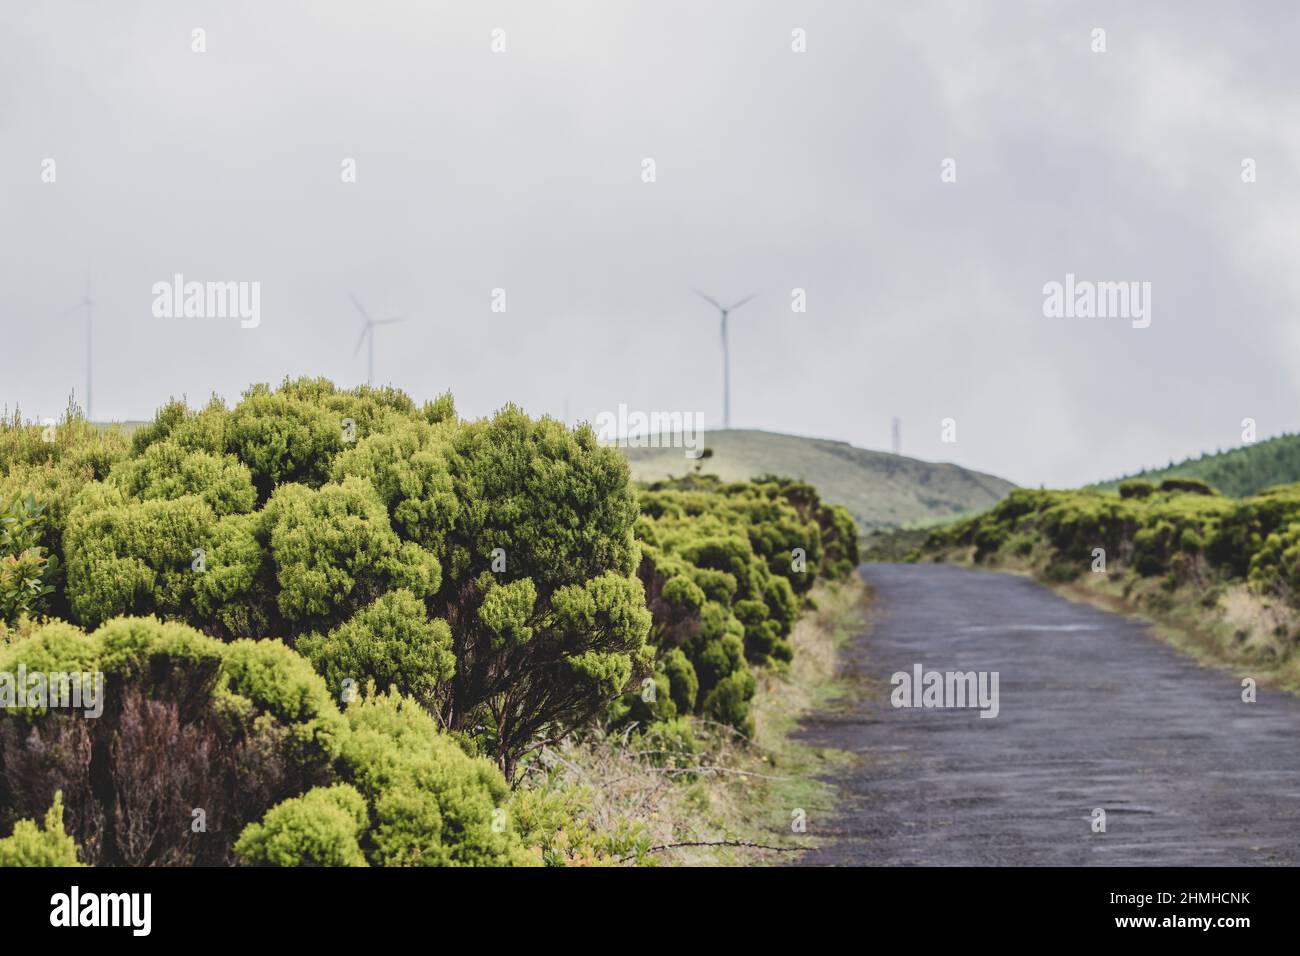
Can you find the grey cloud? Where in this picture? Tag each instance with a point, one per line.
(775, 171)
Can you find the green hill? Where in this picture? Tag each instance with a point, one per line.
(880, 490)
(1239, 472)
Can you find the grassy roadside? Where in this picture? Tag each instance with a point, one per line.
(630, 799)
(1218, 624)
(1228, 628)
(815, 679)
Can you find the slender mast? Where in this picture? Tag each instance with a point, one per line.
(725, 311)
(90, 326)
(726, 375)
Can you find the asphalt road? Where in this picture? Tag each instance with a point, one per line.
(1094, 712)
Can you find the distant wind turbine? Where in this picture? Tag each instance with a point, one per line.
(726, 357)
(88, 304)
(369, 330)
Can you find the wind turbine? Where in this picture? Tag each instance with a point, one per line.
(88, 304)
(369, 330)
(726, 357)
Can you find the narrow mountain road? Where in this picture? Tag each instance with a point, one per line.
(1095, 712)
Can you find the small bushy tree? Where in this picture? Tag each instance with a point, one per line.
(320, 828)
(545, 641)
(30, 845)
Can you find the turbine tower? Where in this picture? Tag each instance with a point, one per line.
(88, 304)
(726, 356)
(369, 330)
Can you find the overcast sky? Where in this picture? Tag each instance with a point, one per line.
(775, 170)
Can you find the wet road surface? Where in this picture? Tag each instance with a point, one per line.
(1094, 712)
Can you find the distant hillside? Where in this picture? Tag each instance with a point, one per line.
(881, 490)
(1239, 472)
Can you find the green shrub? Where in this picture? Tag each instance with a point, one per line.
(1182, 532)
(681, 593)
(204, 430)
(488, 569)
(319, 828)
(281, 684)
(1077, 522)
(29, 845)
(167, 471)
(715, 659)
(1275, 565)
(235, 594)
(1242, 530)
(562, 826)
(392, 642)
(735, 561)
(556, 502)
(54, 487)
(1148, 557)
(550, 637)
(430, 803)
(283, 439)
(371, 410)
(683, 685)
(650, 702)
(1191, 541)
(410, 468)
(27, 570)
(728, 701)
(839, 542)
(133, 557)
(331, 548)
(187, 722)
(1136, 489)
(247, 733)
(669, 743)
(164, 424)
(1191, 486)
(989, 540)
(73, 445)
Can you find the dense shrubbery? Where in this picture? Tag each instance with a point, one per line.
(723, 567)
(232, 730)
(188, 722)
(315, 609)
(1181, 530)
(486, 568)
(50, 464)
(1240, 472)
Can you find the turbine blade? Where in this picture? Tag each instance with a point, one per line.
(709, 299)
(361, 341)
(360, 308)
(731, 308)
(400, 318)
